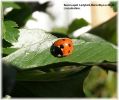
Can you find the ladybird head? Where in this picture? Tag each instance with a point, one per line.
(56, 51)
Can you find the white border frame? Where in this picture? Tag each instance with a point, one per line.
(57, 98)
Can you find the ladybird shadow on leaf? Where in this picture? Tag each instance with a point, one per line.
(56, 51)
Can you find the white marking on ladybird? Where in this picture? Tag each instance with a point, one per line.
(59, 55)
(62, 49)
(66, 44)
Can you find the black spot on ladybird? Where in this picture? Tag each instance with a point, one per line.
(61, 46)
(69, 45)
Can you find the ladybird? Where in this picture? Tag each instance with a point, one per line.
(62, 47)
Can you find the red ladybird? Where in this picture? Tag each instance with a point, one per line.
(62, 47)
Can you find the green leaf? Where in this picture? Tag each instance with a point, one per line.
(4, 29)
(39, 55)
(26, 10)
(90, 37)
(59, 30)
(76, 24)
(65, 84)
(59, 35)
(36, 74)
(5, 44)
(114, 5)
(101, 83)
(11, 34)
(107, 30)
(11, 4)
(9, 50)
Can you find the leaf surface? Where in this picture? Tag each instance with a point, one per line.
(38, 54)
(11, 34)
